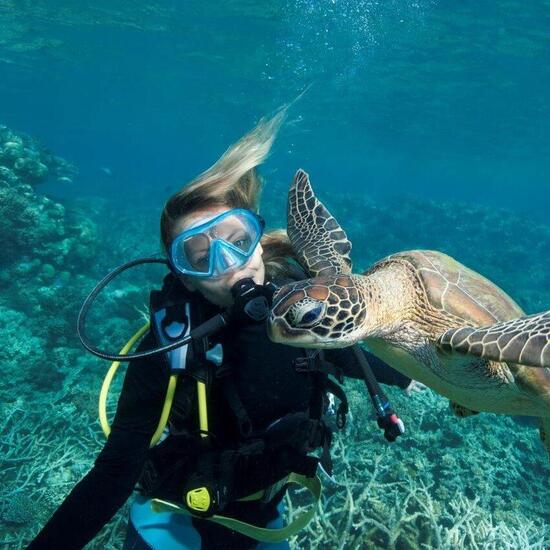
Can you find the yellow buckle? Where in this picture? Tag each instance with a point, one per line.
(199, 499)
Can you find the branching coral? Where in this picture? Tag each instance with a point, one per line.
(366, 511)
(43, 453)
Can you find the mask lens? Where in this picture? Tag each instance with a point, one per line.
(196, 250)
(236, 230)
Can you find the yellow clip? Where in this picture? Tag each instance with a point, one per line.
(199, 499)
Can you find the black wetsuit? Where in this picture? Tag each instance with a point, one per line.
(269, 388)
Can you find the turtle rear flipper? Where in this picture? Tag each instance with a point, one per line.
(525, 341)
(321, 245)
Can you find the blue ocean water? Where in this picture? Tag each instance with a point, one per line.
(425, 124)
(433, 98)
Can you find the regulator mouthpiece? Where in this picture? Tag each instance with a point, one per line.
(252, 302)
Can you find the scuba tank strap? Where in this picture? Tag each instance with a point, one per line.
(321, 434)
(170, 322)
(175, 318)
(314, 361)
(234, 401)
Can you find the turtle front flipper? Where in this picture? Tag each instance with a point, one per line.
(525, 341)
(321, 245)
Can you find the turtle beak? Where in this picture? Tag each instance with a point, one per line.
(280, 332)
(277, 329)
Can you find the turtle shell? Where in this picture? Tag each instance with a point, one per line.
(458, 290)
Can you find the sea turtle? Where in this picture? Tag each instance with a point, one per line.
(421, 311)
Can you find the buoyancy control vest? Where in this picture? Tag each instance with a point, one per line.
(190, 457)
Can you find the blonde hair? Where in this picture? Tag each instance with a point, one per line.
(233, 182)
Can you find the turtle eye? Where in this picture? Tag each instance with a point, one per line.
(307, 314)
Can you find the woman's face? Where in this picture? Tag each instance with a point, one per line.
(218, 290)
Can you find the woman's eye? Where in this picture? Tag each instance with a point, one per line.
(243, 244)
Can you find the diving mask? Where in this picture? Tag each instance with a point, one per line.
(220, 244)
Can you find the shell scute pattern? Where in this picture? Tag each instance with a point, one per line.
(459, 291)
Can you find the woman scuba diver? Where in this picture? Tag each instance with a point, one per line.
(246, 413)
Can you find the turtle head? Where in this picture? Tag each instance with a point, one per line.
(326, 312)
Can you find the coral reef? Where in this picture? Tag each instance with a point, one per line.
(44, 248)
(23, 159)
(448, 483)
(50, 434)
(45, 450)
(32, 223)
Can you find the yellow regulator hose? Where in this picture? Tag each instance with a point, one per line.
(109, 378)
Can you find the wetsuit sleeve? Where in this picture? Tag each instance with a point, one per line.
(344, 358)
(97, 497)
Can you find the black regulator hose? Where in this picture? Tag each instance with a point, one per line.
(213, 324)
(386, 417)
(250, 300)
